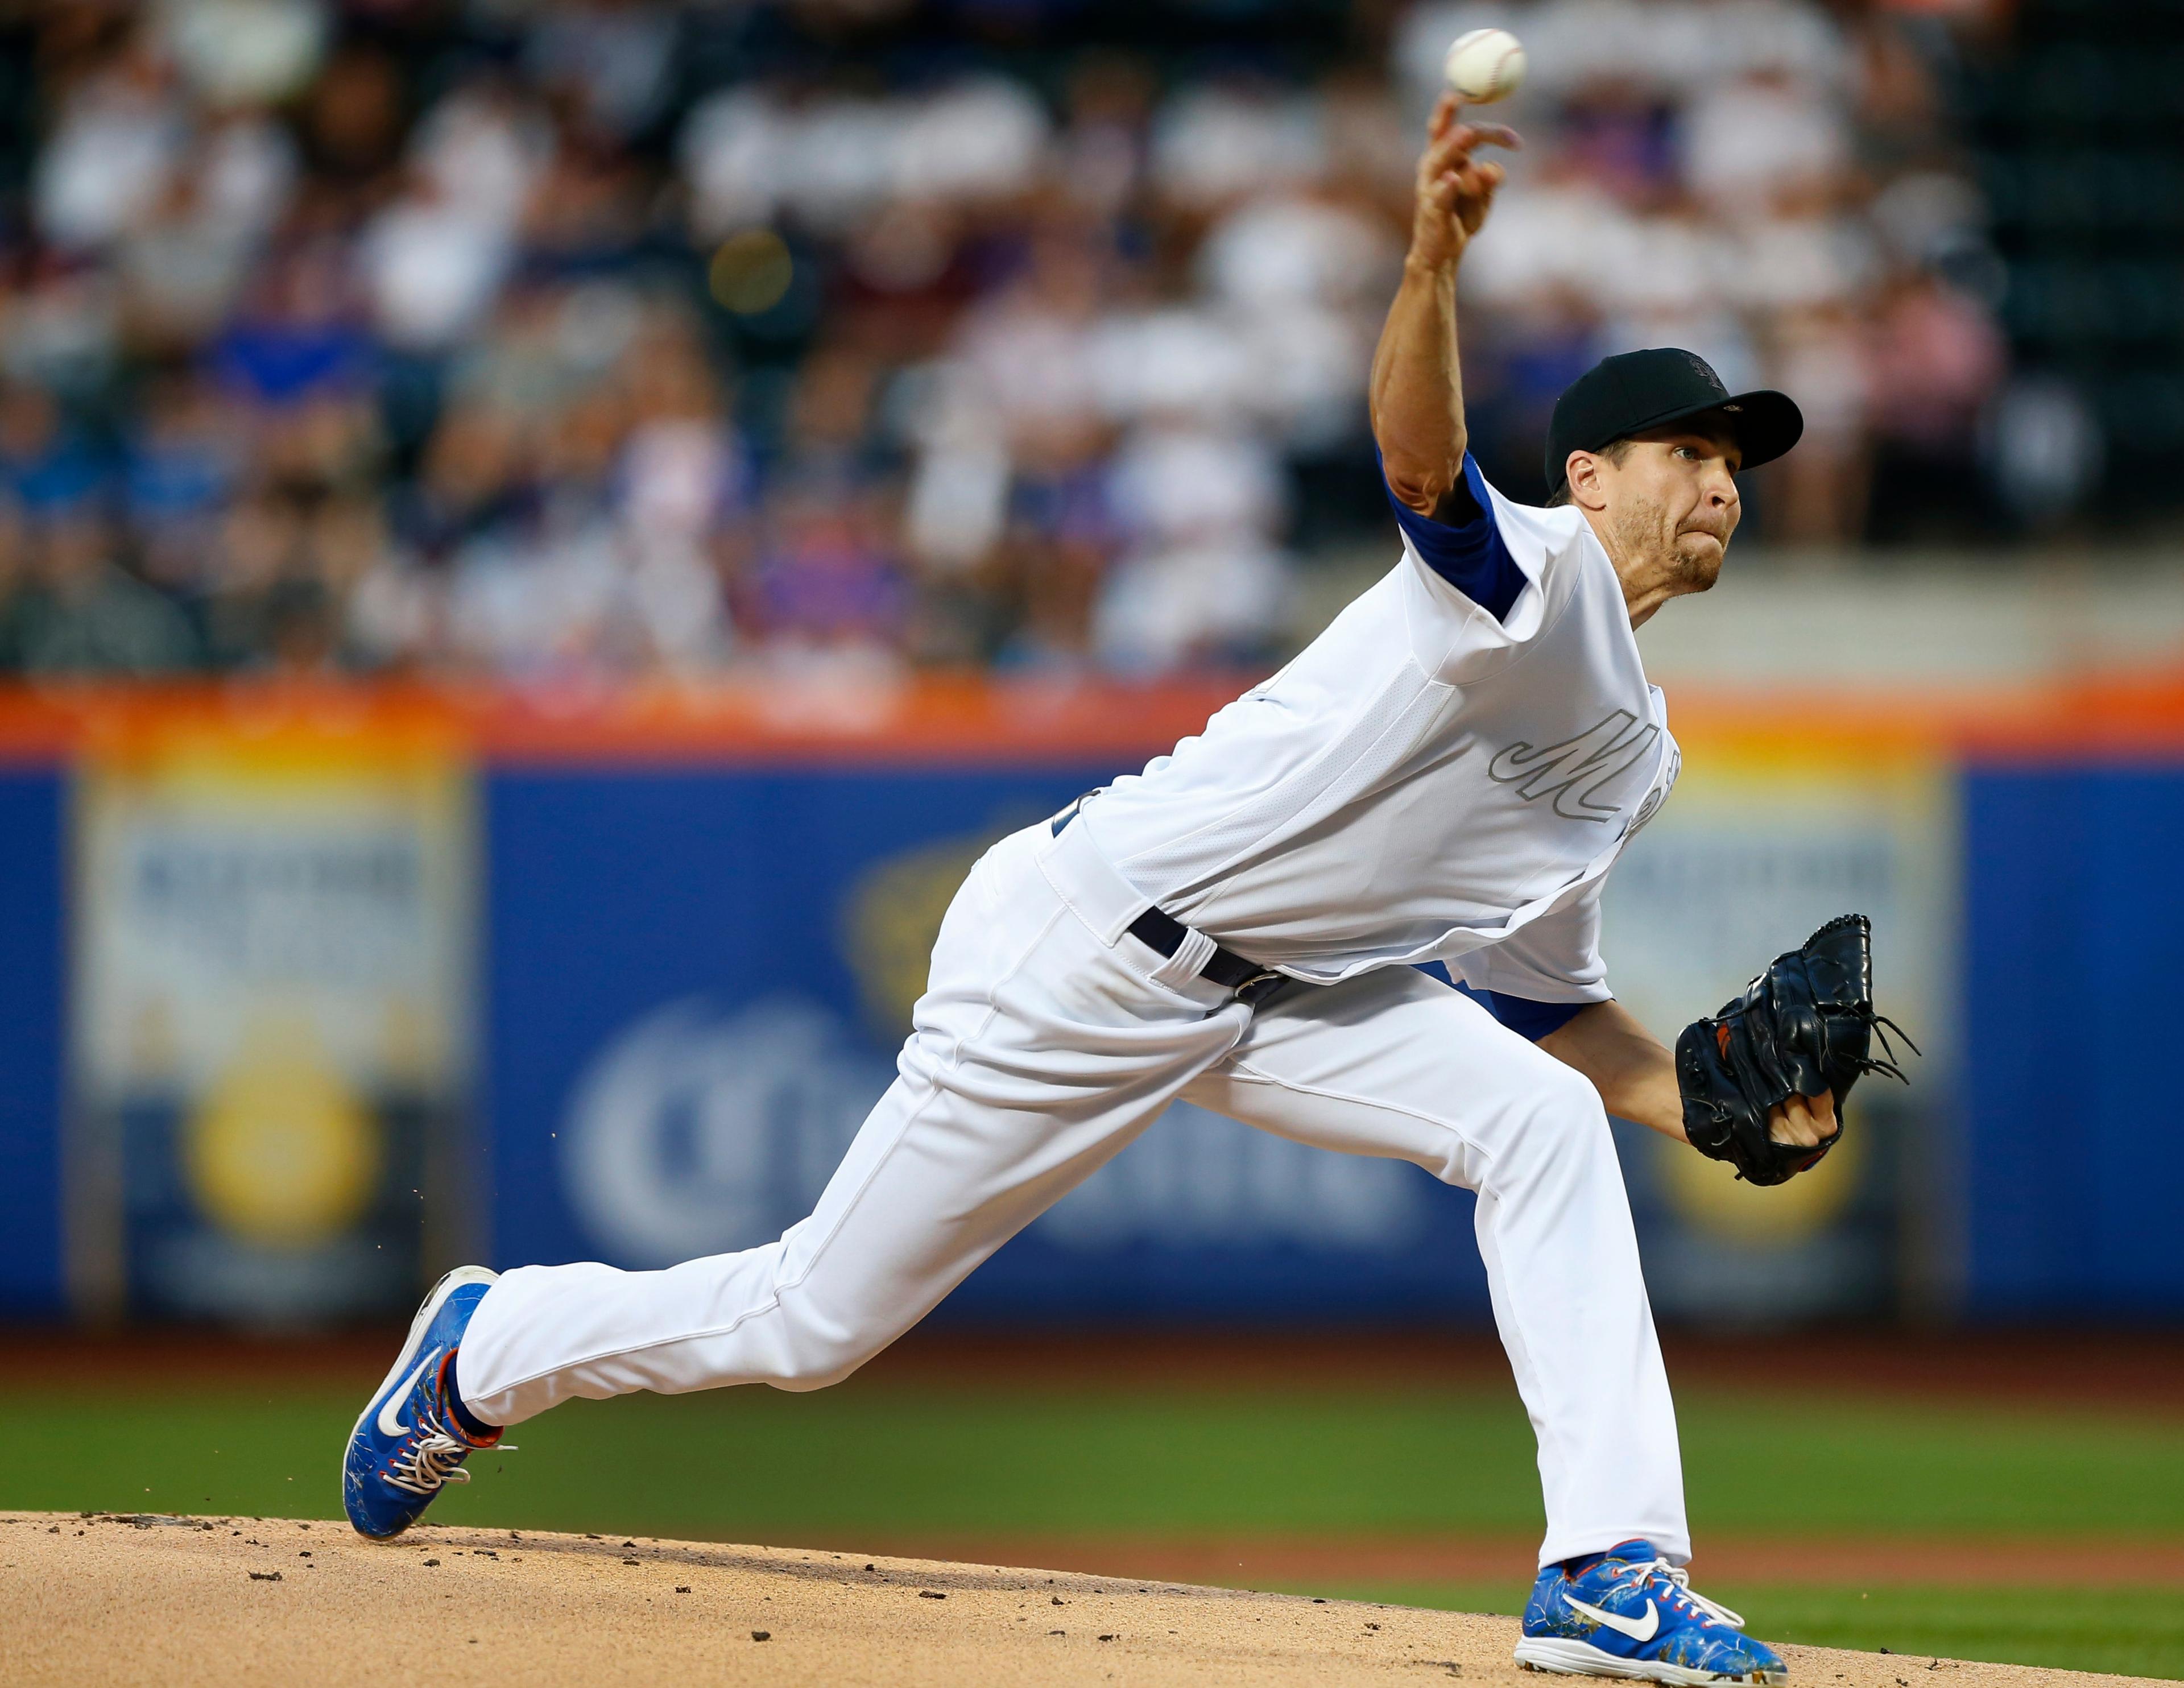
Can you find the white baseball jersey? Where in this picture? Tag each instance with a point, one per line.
(1443, 774)
(1427, 780)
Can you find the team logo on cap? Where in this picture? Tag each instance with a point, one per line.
(1704, 371)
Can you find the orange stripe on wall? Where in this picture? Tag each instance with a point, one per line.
(2113, 715)
(928, 719)
(942, 720)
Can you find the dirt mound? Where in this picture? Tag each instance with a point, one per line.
(113, 1599)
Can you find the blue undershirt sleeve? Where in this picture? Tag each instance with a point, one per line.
(1467, 552)
(1527, 1019)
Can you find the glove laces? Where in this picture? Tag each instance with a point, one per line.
(1690, 1597)
(1880, 1026)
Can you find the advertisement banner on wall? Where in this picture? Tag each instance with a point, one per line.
(699, 981)
(1763, 842)
(240, 978)
(700, 978)
(270, 1045)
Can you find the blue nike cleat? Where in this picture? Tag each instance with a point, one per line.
(1632, 1614)
(407, 1443)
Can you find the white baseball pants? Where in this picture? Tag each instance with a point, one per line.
(1047, 1038)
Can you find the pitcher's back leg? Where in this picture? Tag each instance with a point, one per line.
(1039, 1053)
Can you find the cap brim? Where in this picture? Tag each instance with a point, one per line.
(1764, 424)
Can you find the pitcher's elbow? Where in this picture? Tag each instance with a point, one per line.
(1421, 485)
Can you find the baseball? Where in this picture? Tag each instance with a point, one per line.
(1484, 66)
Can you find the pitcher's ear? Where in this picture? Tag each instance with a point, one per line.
(1583, 469)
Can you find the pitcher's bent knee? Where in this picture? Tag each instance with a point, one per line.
(817, 1354)
(820, 1373)
(1564, 1123)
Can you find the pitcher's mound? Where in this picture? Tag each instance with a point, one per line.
(176, 1601)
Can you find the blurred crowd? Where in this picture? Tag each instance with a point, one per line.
(593, 338)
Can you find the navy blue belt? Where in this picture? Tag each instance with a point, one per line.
(1162, 932)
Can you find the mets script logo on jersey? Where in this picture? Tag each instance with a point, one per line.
(1575, 771)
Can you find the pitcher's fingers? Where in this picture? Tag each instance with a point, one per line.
(1477, 184)
(1492, 134)
(1451, 149)
(1444, 152)
(1789, 1122)
(1444, 114)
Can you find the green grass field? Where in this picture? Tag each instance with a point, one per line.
(873, 1461)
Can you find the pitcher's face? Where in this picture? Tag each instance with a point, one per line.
(1671, 503)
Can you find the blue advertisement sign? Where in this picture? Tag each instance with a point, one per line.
(697, 983)
(32, 997)
(689, 984)
(2071, 1161)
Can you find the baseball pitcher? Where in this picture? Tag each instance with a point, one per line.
(1445, 775)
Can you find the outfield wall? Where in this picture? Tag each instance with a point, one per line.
(311, 992)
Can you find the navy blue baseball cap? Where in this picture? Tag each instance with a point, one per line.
(1633, 392)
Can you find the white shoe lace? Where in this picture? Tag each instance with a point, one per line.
(437, 1459)
(1690, 1596)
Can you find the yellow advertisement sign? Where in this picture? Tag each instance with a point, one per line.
(1765, 839)
(272, 938)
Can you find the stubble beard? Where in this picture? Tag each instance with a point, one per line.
(1658, 554)
(1698, 560)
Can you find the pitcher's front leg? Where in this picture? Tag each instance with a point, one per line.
(1394, 1064)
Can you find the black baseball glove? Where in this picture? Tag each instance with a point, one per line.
(1804, 1026)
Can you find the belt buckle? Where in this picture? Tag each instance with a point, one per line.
(1256, 989)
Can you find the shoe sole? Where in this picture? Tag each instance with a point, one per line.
(434, 1300)
(1568, 1658)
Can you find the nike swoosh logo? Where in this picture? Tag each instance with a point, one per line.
(1638, 1628)
(390, 1412)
